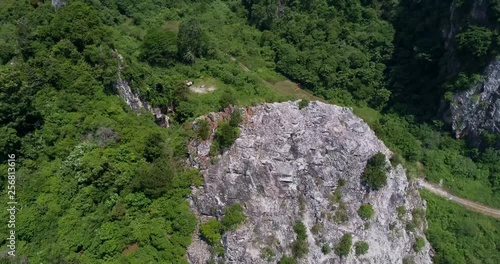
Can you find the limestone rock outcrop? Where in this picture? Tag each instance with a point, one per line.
(286, 166)
(478, 109)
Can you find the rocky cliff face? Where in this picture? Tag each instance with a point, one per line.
(478, 109)
(134, 101)
(285, 167)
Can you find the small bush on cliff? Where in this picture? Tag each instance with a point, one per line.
(226, 134)
(374, 176)
(287, 260)
(326, 249)
(236, 118)
(344, 246)
(303, 103)
(300, 248)
(233, 216)
(361, 248)
(366, 211)
(419, 244)
(211, 231)
(203, 129)
(300, 230)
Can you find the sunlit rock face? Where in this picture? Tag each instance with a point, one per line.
(283, 168)
(478, 109)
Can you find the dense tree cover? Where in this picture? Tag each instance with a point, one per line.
(327, 46)
(460, 236)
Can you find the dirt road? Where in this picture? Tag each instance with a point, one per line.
(476, 207)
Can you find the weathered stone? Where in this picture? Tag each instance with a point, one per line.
(58, 3)
(478, 109)
(284, 167)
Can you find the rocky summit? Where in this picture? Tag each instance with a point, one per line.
(292, 165)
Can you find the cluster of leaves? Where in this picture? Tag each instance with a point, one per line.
(375, 175)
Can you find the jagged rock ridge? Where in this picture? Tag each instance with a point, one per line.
(283, 168)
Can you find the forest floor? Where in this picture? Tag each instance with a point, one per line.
(474, 206)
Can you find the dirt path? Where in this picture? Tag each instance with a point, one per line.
(476, 207)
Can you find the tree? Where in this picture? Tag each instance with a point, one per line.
(419, 244)
(300, 230)
(344, 246)
(226, 134)
(155, 179)
(236, 118)
(361, 248)
(233, 216)
(374, 175)
(366, 211)
(159, 47)
(475, 40)
(211, 231)
(287, 260)
(227, 98)
(300, 248)
(326, 249)
(303, 103)
(192, 41)
(155, 147)
(203, 129)
(78, 22)
(9, 142)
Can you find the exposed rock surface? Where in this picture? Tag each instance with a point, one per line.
(58, 3)
(284, 167)
(134, 101)
(478, 109)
